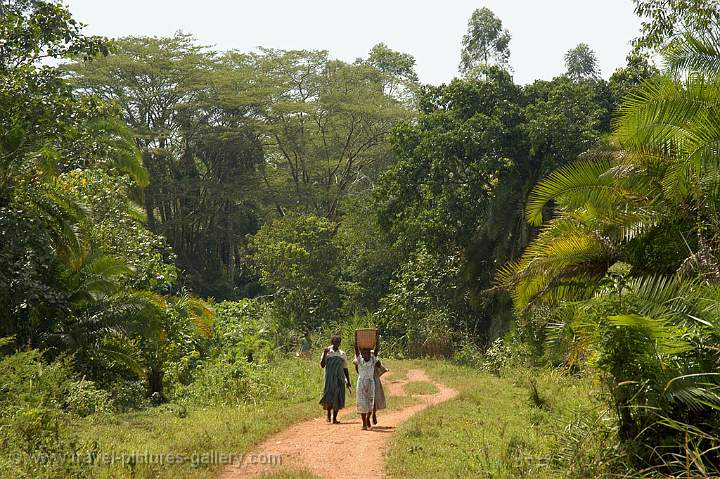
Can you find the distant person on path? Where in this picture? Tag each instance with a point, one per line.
(365, 362)
(337, 377)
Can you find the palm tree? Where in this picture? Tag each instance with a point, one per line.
(662, 162)
(661, 165)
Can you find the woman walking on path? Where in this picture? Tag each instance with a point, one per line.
(337, 377)
(365, 362)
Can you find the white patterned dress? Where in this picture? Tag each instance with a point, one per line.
(365, 391)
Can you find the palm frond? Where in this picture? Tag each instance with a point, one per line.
(569, 269)
(200, 313)
(695, 52)
(578, 183)
(667, 337)
(694, 391)
(666, 296)
(118, 142)
(125, 359)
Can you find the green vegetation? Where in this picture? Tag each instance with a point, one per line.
(494, 428)
(225, 425)
(174, 218)
(647, 327)
(420, 387)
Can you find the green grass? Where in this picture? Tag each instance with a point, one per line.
(494, 430)
(420, 387)
(397, 369)
(222, 429)
(491, 430)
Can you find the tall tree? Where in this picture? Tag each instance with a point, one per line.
(486, 43)
(192, 122)
(464, 169)
(400, 79)
(437, 195)
(324, 124)
(581, 63)
(48, 132)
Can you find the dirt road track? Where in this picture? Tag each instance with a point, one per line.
(328, 450)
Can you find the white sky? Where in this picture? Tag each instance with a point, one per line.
(542, 30)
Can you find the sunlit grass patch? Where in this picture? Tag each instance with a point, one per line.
(420, 388)
(191, 430)
(493, 429)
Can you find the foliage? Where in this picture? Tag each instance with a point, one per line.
(664, 20)
(581, 63)
(398, 68)
(326, 123)
(37, 399)
(129, 179)
(625, 80)
(198, 145)
(650, 335)
(36, 29)
(116, 224)
(296, 258)
(170, 335)
(367, 258)
(449, 162)
(486, 43)
(464, 169)
(49, 134)
(424, 305)
(246, 330)
(564, 118)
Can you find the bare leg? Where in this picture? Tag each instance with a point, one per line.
(365, 420)
(328, 415)
(374, 415)
(335, 413)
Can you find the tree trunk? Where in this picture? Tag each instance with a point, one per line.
(155, 382)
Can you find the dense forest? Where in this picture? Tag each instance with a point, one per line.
(174, 218)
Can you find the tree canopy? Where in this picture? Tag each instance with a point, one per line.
(485, 44)
(581, 63)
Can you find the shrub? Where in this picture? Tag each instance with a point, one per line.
(84, 398)
(223, 383)
(297, 260)
(37, 400)
(246, 329)
(128, 395)
(503, 354)
(425, 306)
(468, 354)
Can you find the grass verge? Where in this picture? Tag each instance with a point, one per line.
(495, 428)
(420, 388)
(189, 432)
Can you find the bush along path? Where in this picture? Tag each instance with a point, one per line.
(327, 450)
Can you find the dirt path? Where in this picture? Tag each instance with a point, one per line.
(312, 445)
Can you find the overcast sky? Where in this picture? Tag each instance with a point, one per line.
(542, 30)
